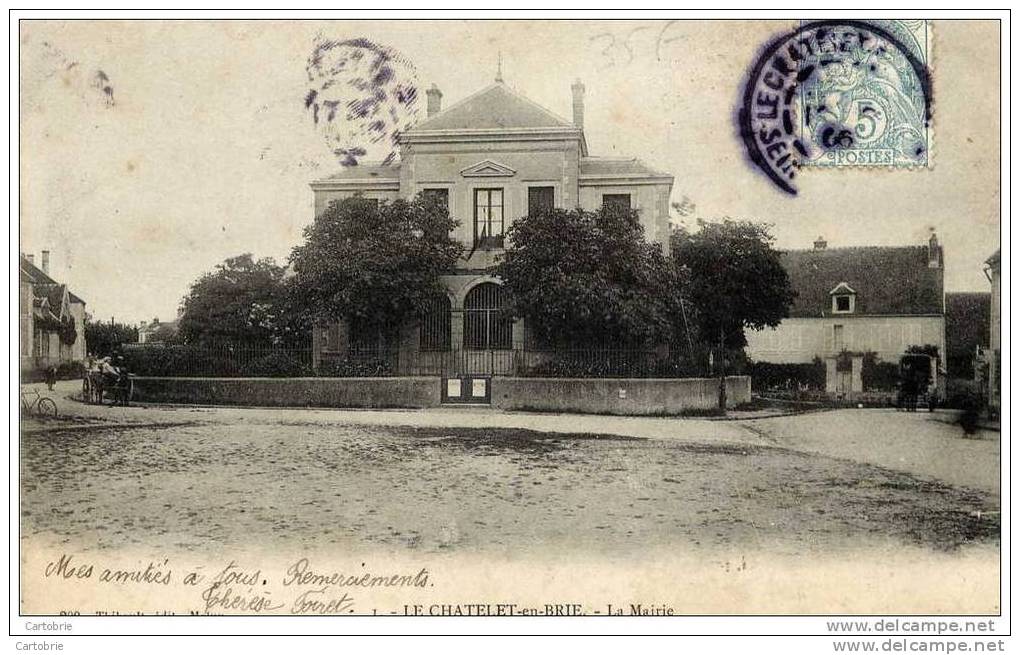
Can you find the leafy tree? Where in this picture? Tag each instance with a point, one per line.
(586, 279)
(102, 339)
(735, 279)
(373, 262)
(241, 301)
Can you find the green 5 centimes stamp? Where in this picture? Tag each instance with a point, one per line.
(840, 93)
(868, 106)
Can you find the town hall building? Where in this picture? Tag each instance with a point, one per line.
(492, 158)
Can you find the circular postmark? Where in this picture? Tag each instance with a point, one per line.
(836, 93)
(362, 95)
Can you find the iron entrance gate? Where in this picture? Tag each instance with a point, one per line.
(467, 374)
(458, 363)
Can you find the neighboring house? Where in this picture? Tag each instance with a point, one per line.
(857, 300)
(992, 270)
(967, 330)
(156, 331)
(52, 319)
(492, 157)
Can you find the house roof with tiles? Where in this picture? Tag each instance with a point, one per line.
(897, 280)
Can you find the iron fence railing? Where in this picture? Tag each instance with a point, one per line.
(219, 360)
(270, 361)
(522, 362)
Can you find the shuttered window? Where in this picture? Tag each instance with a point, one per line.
(540, 199)
(442, 196)
(620, 201)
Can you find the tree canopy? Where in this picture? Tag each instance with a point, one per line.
(734, 278)
(584, 279)
(242, 300)
(102, 339)
(374, 262)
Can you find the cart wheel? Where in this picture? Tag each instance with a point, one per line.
(47, 407)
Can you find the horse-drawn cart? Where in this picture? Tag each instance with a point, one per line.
(107, 382)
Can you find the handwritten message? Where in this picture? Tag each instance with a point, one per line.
(236, 588)
(306, 586)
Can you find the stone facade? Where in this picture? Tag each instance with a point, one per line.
(498, 151)
(44, 306)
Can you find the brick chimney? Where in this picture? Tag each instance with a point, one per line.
(821, 244)
(435, 101)
(934, 251)
(578, 90)
(46, 262)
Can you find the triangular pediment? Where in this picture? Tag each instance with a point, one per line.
(488, 168)
(841, 288)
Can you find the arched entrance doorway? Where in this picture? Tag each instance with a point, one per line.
(486, 324)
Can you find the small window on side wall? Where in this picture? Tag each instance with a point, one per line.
(617, 201)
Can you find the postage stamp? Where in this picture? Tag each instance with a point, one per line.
(840, 93)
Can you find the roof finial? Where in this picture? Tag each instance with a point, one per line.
(499, 66)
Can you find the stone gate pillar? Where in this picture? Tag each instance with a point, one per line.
(457, 329)
(856, 380)
(830, 375)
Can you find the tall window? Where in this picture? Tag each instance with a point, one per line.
(434, 325)
(486, 326)
(489, 218)
(616, 201)
(837, 337)
(442, 196)
(540, 198)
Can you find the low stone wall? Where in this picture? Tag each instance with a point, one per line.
(632, 396)
(413, 392)
(589, 396)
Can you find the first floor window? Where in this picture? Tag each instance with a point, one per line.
(489, 218)
(540, 199)
(837, 337)
(442, 196)
(487, 326)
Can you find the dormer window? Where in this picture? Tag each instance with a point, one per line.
(843, 299)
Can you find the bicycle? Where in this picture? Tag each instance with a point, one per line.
(37, 406)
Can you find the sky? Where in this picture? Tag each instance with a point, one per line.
(151, 151)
